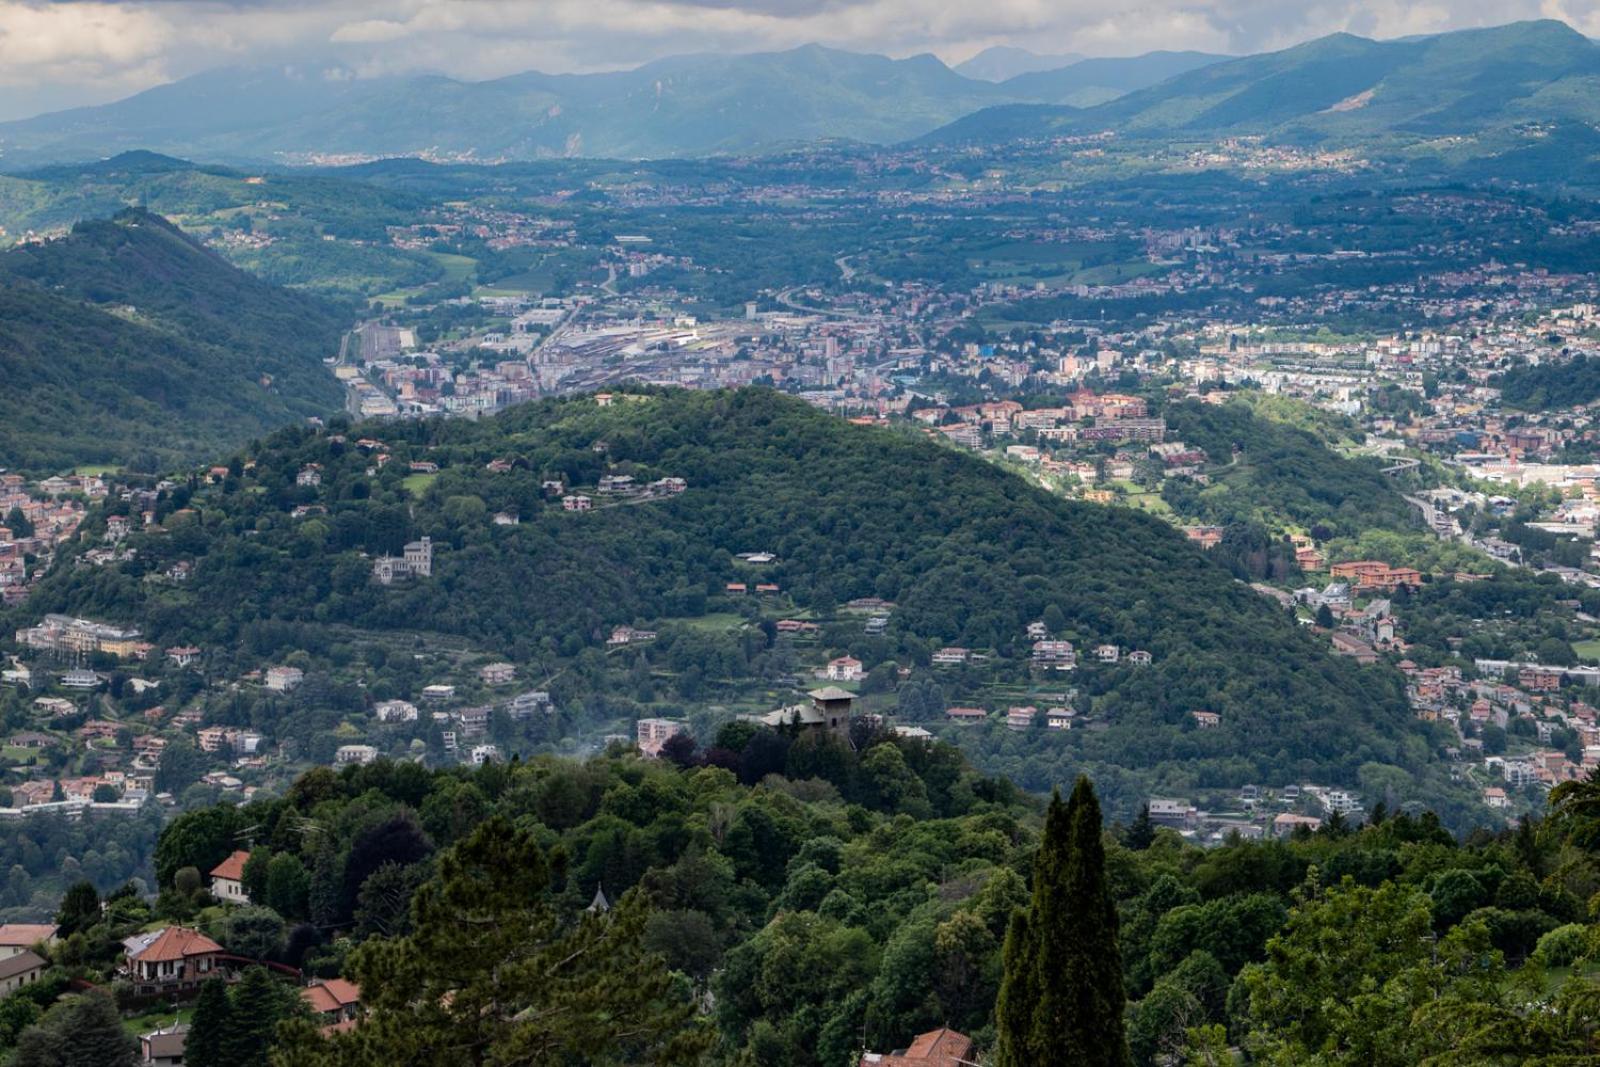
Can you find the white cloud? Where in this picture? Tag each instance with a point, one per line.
(55, 53)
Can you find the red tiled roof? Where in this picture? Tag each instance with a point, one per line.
(25, 934)
(177, 942)
(232, 867)
(936, 1048)
(331, 994)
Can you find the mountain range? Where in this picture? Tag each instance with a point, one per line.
(128, 343)
(682, 106)
(1457, 95)
(1346, 90)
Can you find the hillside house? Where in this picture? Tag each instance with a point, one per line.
(1021, 718)
(416, 561)
(1054, 655)
(392, 711)
(936, 1048)
(170, 960)
(227, 879)
(164, 1047)
(497, 674)
(336, 1002)
(19, 970)
(829, 709)
(652, 734)
(16, 938)
(843, 669)
(283, 679)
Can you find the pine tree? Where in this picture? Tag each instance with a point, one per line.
(1061, 998)
(257, 1004)
(80, 908)
(80, 1031)
(492, 973)
(1141, 832)
(206, 1045)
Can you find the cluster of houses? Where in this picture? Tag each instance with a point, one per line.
(622, 487)
(1257, 813)
(53, 516)
(1441, 694)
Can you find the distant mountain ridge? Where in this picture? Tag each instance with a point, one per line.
(681, 106)
(1344, 89)
(128, 343)
(1095, 81)
(1003, 62)
(1339, 90)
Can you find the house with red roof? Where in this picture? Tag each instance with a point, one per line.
(169, 960)
(227, 879)
(335, 1001)
(936, 1048)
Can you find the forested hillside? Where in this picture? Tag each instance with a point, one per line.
(1551, 385)
(1280, 475)
(127, 343)
(832, 896)
(965, 556)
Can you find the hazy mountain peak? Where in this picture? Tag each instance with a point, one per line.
(1000, 63)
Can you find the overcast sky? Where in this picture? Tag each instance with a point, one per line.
(60, 54)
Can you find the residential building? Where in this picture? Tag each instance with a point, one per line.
(164, 1047)
(653, 734)
(16, 938)
(497, 674)
(1178, 814)
(390, 711)
(844, 669)
(829, 710)
(19, 970)
(936, 1048)
(169, 960)
(1054, 655)
(283, 679)
(348, 754)
(333, 1000)
(227, 879)
(415, 562)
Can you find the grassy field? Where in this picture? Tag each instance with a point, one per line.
(1144, 499)
(454, 269)
(1588, 650)
(96, 470)
(417, 484)
(162, 1017)
(716, 622)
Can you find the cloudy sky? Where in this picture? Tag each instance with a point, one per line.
(56, 54)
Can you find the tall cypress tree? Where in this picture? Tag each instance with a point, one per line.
(1013, 1011)
(1061, 998)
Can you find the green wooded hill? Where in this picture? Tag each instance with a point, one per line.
(1281, 476)
(969, 557)
(1570, 383)
(128, 343)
